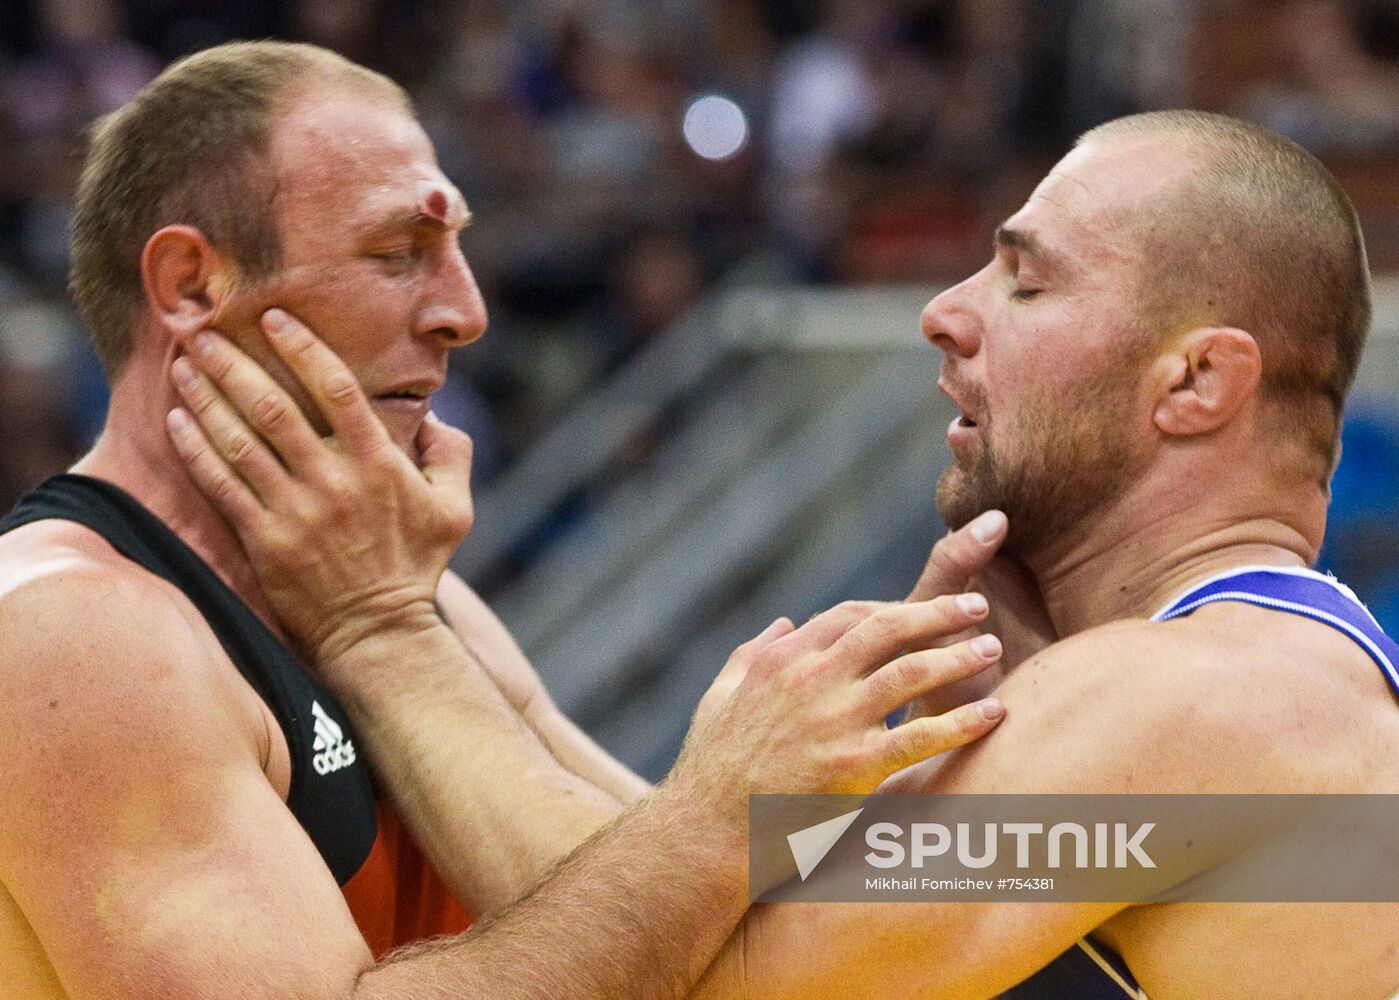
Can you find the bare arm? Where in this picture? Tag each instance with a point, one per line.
(141, 839)
(1077, 718)
(429, 717)
(152, 857)
(485, 637)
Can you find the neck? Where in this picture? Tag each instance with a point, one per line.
(135, 453)
(1129, 565)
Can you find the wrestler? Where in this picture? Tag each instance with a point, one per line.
(1151, 373)
(186, 809)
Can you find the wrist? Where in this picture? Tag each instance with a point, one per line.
(364, 643)
(718, 837)
(368, 624)
(710, 794)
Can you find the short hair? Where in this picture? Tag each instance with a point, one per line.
(1259, 235)
(191, 148)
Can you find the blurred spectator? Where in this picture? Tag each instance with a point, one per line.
(40, 349)
(1328, 92)
(81, 68)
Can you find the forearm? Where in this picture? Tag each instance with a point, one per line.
(573, 749)
(488, 640)
(485, 799)
(638, 912)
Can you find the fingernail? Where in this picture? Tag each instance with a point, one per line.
(986, 645)
(275, 321)
(991, 710)
(433, 418)
(183, 372)
(203, 344)
(987, 525)
(972, 604)
(178, 420)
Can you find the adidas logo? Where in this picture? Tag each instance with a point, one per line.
(333, 751)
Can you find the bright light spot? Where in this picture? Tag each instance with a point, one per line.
(715, 127)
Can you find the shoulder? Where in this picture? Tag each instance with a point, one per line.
(1193, 705)
(62, 589)
(97, 649)
(142, 838)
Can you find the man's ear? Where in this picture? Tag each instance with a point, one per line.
(1208, 376)
(187, 280)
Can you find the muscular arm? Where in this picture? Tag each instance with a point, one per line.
(483, 796)
(1078, 716)
(153, 858)
(141, 839)
(466, 739)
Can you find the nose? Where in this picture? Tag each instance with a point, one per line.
(950, 323)
(454, 314)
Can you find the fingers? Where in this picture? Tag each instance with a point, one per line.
(224, 432)
(264, 404)
(922, 738)
(898, 627)
(960, 555)
(898, 682)
(332, 386)
(743, 656)
(215, 479)
(779, 628)
(824, 629)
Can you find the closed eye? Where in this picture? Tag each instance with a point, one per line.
(1025, 294)
(396, 259)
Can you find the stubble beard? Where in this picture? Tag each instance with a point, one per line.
(1051, 468)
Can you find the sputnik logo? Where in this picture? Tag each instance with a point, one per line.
(812, 844)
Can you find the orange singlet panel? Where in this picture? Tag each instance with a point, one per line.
(396, 897)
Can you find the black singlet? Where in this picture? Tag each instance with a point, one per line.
(331, 792)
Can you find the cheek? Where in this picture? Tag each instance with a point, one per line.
(353, 310)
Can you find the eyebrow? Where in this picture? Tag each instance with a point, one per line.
(1025, 242)
(407, 218)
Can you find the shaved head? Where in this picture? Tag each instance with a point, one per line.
(1256, 235)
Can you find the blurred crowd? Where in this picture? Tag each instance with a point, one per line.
(623, 156)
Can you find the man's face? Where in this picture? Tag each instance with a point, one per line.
(1044, 351)
(371, 260)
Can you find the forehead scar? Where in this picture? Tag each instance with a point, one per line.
(441, 203)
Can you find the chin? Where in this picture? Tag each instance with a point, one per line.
(957, 500)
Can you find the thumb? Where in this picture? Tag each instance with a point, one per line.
(960, 555)
(743, 656)
(444, 453)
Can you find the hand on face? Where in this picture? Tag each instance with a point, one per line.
(346, 535)
(969, 558)
(803, 710)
